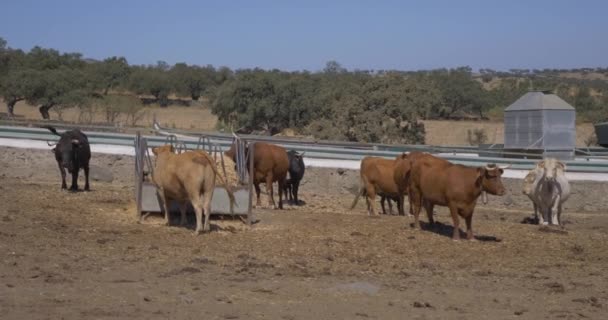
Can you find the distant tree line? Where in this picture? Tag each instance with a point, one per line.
(334, 103)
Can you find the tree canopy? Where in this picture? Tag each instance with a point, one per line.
(333, 103)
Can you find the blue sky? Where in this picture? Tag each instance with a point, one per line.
(296, 35)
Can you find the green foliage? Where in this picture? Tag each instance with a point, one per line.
(334, 103)
(153, 81)
(111, 73)
(192, 81)
(477, 136)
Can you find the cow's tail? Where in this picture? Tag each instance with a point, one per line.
(359, 194)
(223, 180)
(51, 129)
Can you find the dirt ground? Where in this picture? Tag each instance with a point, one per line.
(83, 255)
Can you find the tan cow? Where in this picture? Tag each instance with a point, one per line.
(270, 164)
(377, 178)
(189, 176)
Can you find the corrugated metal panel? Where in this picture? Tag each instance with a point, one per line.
(539, 100)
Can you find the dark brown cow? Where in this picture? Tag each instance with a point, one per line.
(270, 164)
(377, 179)
(439, 182)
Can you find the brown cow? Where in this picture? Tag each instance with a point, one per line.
(377, 179)
(270, 164)
(189, 176)
(439, 182)
(403, 164)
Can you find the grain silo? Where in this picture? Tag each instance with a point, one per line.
(541, 123)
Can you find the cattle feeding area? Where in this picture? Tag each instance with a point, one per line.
(83, 254)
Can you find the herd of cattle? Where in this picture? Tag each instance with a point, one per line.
(427, 181)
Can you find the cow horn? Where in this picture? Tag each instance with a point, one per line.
(234, 135)
(490, 167)
(75, 141)
(506, 167)
(302, 154)
(51, 144)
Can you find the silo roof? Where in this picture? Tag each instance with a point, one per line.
(539, 100)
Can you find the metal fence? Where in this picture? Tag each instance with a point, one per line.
(148, 201)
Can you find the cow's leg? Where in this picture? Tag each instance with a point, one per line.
(182, 209)
(456, 221)
(86, 178)
(62, 171)
(415, 206)
(382, 201)
(371, 195)
(74, 186)
(281, 183)
(469, 222)
(271, 202)
(400, 203)
(543, 216)
(555, 211)
(207, 205)
(428, 207)
(294, 188)
(559, 214)
(258, 203)
(535, 212)
(198, 211)
(165, 200)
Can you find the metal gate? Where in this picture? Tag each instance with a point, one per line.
(148, 201)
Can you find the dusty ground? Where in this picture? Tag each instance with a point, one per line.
(82, 255)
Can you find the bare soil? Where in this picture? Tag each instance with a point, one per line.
(83, 255)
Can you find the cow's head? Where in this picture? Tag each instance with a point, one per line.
(490, 179)
(529, 183)
(551, 168)
(162, 149)
(231, 153)
(296, 160)
(65, 150)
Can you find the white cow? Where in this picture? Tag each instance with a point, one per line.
(546, 185)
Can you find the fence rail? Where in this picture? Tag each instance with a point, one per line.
(593, 160)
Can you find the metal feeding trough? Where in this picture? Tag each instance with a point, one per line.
(148, 201)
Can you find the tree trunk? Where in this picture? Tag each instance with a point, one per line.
(10, 105)
(44, 110)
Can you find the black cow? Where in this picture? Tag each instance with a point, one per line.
(296, 172)
(72, 152)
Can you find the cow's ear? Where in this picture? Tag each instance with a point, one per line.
(501, 171)
(540, 164)
(54, 149)
(562, 165)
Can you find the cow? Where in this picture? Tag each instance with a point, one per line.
(377, 178)
(72, 152)
(548, 191)
(439, 182)
(296, 173)
(188, 176)
(401, 175)
(270, 164)
(529, 189)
